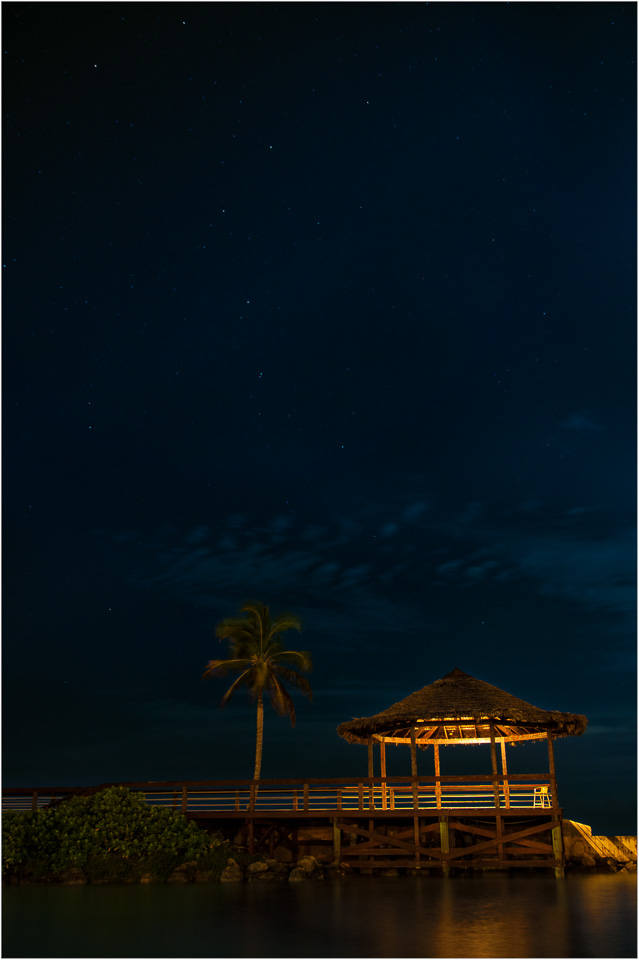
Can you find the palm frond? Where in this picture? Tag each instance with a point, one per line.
(301, 657)
(234, 628)
(296, 680)
(286, 621)
(244, 678)
(220, 668)
(281, 698)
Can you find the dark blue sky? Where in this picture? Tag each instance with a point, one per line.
(332, 305)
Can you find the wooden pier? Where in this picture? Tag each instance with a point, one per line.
(438, 822)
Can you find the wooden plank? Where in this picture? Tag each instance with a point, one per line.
(528, 846)
(226, 785)
(306, 785)
(379, 865)
(397, 814)
(185, 799)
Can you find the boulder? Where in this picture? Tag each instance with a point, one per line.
(587, 861)
(390, 872)
(74, 875)
(184, 873)
(146, 878)
(254, 869)
(296, 875)
(306, 864)
(232, 872)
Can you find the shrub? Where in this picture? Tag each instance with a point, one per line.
(89, 832)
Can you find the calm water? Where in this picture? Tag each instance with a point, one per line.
(492, 916)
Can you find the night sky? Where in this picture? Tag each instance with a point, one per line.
(332, 306)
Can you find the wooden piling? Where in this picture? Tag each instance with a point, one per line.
(493, 760)
(413, 765)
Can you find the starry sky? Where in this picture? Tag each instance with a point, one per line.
(332, 306)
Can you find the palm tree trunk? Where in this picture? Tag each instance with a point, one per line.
(260, 736)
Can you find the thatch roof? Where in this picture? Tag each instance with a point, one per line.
(460, 697)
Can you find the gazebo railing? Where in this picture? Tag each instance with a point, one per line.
(514, 791)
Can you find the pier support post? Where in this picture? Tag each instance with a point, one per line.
(416, 835)
(558, 848)
(444, 840)
(337, 841)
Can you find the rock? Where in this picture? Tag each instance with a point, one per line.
(256, 868)
(271, 870)
(146, 878)
(414, 872)
(587, 861)
(390, 872)
(631, 866)
(296, 875)
(202, 876)
(74, 875)
(178, 876)
(232, 872)
(283, 854)
(306, 864)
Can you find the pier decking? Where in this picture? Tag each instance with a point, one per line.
(468, 822)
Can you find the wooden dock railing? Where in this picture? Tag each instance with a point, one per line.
(304, 797)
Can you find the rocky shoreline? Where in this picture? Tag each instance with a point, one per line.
(304, 869)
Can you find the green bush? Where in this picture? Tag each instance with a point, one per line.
(101, 831)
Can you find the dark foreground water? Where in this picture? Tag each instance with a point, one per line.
(490, 916)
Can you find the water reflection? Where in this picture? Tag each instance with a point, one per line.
(467, 916)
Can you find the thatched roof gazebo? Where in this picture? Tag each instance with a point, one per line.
(460, 710)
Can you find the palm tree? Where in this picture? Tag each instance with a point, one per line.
(256, 651)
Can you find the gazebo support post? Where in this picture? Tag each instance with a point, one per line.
(371, 774)
(438, 783)
(413, 764)
(504, 770)
(551, 768)
(557, 838)
(382, 766)
(493, 760)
